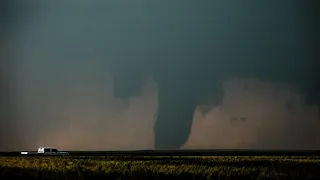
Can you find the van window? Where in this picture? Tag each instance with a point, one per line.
(55, 150)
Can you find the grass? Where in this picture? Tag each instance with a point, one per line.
(143, 167)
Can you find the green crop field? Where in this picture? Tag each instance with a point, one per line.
(220, 167)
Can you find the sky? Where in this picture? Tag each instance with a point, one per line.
(97, 75)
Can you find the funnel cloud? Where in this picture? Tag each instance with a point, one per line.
(116, 75)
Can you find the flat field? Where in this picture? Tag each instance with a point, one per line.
(160, 167)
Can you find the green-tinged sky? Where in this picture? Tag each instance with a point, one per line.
(99, 74)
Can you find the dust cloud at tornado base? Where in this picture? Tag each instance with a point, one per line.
(84, 115)
(263, 116)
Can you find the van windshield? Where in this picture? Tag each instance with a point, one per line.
(46, 150)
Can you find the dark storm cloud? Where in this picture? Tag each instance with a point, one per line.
(112, 68)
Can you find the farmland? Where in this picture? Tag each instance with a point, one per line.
(150, 167)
